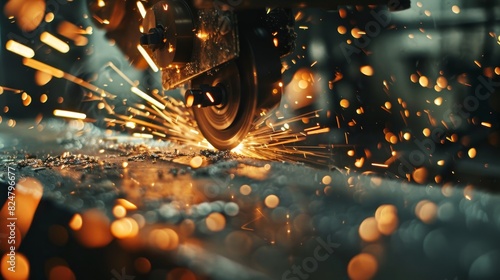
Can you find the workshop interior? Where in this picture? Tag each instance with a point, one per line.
(249, 139)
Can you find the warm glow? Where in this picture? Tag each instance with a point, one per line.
(423, 81)
(438, 101)
(42, 78)
(124, 228)
(387, 219)
(238, 149)
(54, 42)
(426, 211)
(245, 189)
(19, 49)
(43, 98)
(148, 98)
(76, 222)
(22, 267)
(210, 97)
(362, 267)
(272, 201)
(142, 135)
(215, 222)
(119, 211)
(126, 204)
(148, 58)
(35, 64)
(73, 32)
(368, 230)
(28, 14)
(442, 82)
(141, 9)
(367, 70)
(326, 180)
(344, 103)
(420, 175)
(61, 272)
(165, 239)
(28, 193)
(95, 229)
(359, 162)
(142, 265)
(196, 162)
(181, 274)
(472, 152)
(69, 114)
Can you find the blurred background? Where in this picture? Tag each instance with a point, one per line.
(421, 82)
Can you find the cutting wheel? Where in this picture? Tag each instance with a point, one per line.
(227, 124)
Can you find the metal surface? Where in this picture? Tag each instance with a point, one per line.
(227, 124)
(213, 33)
(169, 26)
(206, 96)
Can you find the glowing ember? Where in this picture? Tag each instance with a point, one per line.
(472, 152)
(272, 201)
(54, 42)
(442, 82)
(362, 267)
(486, 124)
(143, 135)
(126, 204)
(356, 33)
(368, 230)
(438, 101)
(69, 114)
(76, 222)
(387, 219)
(49, 17)
(196, 162)
(28, 14)
(423, 81)
(359, 162)
(124, 228)
(147, 57)
(148, 98)
(420, 175)
(95, 230)
(245, 189)
(414, 78)
(73, 32)
(119, 211)
(42, 78)
(40, 66)
(22, 267)
(326, 180)
(367, 70)
(344, 103)
(426, 211)
(165, 239)
(19, 49)
(215, 222)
